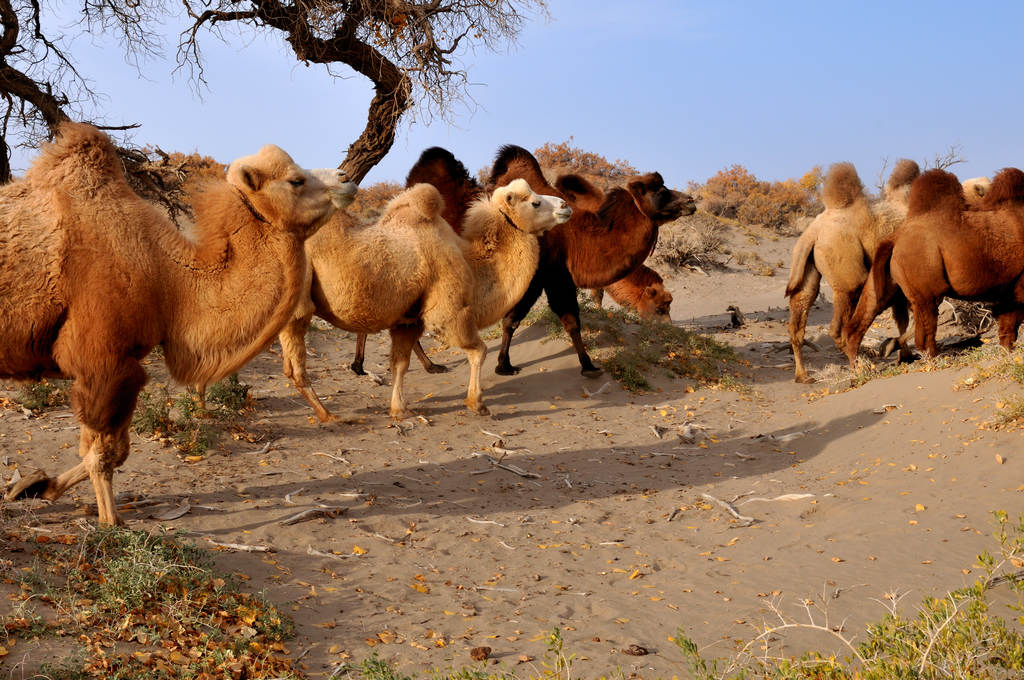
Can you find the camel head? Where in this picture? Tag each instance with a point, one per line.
(659, 203)
(530, 212)
(280, 192)
(975, 190)
(343, 192)
(654, 303)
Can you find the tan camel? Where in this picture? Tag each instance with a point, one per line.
(839, 245)
(410, 271)
(643, 291)
(975, 190)
(93, 277)
(946, 248)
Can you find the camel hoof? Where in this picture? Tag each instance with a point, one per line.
(592, 372)
(804, 379)
(31, 486)
(437, 368)
(507, 369)
(480, 410)
(357, 368)
(887, 347)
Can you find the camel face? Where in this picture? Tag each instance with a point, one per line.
(655, 303)
(657, 201)
(281, 192)
(529, 211)
(343, 192)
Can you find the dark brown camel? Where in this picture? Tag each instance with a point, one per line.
(945, 249)
(593, 249)
(440, 168)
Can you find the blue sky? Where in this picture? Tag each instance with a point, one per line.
(686, 88)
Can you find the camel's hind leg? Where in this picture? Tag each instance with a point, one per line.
(357, 358)
(402, 340)
(842, 309)
(510, 323)
(926, 322)
(799, 306)
(293, 351)
(561, 292)
(428, 365)
(1009, 323)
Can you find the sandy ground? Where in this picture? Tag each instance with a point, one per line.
(609, 538)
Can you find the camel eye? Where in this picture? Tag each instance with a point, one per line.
(536, 204)
(297, 182)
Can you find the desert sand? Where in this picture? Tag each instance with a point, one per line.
(855, 496)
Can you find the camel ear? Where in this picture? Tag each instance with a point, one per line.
(512, 197)
(650, 292)
(247, 176)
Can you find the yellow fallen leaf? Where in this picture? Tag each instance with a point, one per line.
(419, 587)
(193, 459)
(1000, 459)
(919, 508)
(356, 550)
(635, 575)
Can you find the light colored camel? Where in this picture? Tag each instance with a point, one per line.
(410, 271)
(839, 245)
(946, 248)
(975, 190)
(93, 277)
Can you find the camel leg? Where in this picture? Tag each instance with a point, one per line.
(842, 310)
(293, 350)
(104, 402)
(402, 340)
(901, 315)
(926, 321)
(561, 292)
(428, 365)
(597, 295)
(869, 306)
(799, 305)
(464, 332)
(1009, 322)
(357, 359)
(511, 322)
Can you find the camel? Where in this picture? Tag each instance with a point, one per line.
(439, 167)
(643, 291)
(410, 272)
(94, 277)
(839, 245)
(946, 249)
(596, 247)
(975, 190)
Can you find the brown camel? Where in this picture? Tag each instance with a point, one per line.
(945, 249)
(94, 277)
(595, 248)
(643, 291)
(410, 271)
(440, 168)
(839, 245)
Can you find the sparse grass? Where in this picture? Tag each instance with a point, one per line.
(952, 637)
(229, 393)
(634, 350)
(147, 606)
(43, 395)
(178, 420)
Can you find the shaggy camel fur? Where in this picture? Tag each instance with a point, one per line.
(594, 248)
(975, 190)
(94, 277)
(944, 249)
(839, 245)
(410, 272)
(449, 176)
(643, 291)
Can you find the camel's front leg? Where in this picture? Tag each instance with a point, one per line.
(402, 340)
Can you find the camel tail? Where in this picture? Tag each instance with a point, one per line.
(803, 252)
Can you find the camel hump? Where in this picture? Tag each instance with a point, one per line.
(434, 160)
(580, 192)
(935, 190)
(905, 172)
(80, 155)
(514, 161)
(1007, 187)
(842, 186)
(422, 198)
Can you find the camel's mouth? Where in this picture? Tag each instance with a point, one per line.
(562, 215)
(343, 194)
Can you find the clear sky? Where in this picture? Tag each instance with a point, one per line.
(686, 88)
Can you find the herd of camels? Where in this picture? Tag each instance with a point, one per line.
(94, 277)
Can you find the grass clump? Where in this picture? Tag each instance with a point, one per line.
(148, 606)
(174, 420)
(956, 637)
(44, 395)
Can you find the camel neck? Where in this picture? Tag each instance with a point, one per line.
(509, 221)
(252, 209)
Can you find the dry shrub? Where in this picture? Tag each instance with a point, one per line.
(735, 193)
(692, 240)
(371, 200)
(563, 158)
